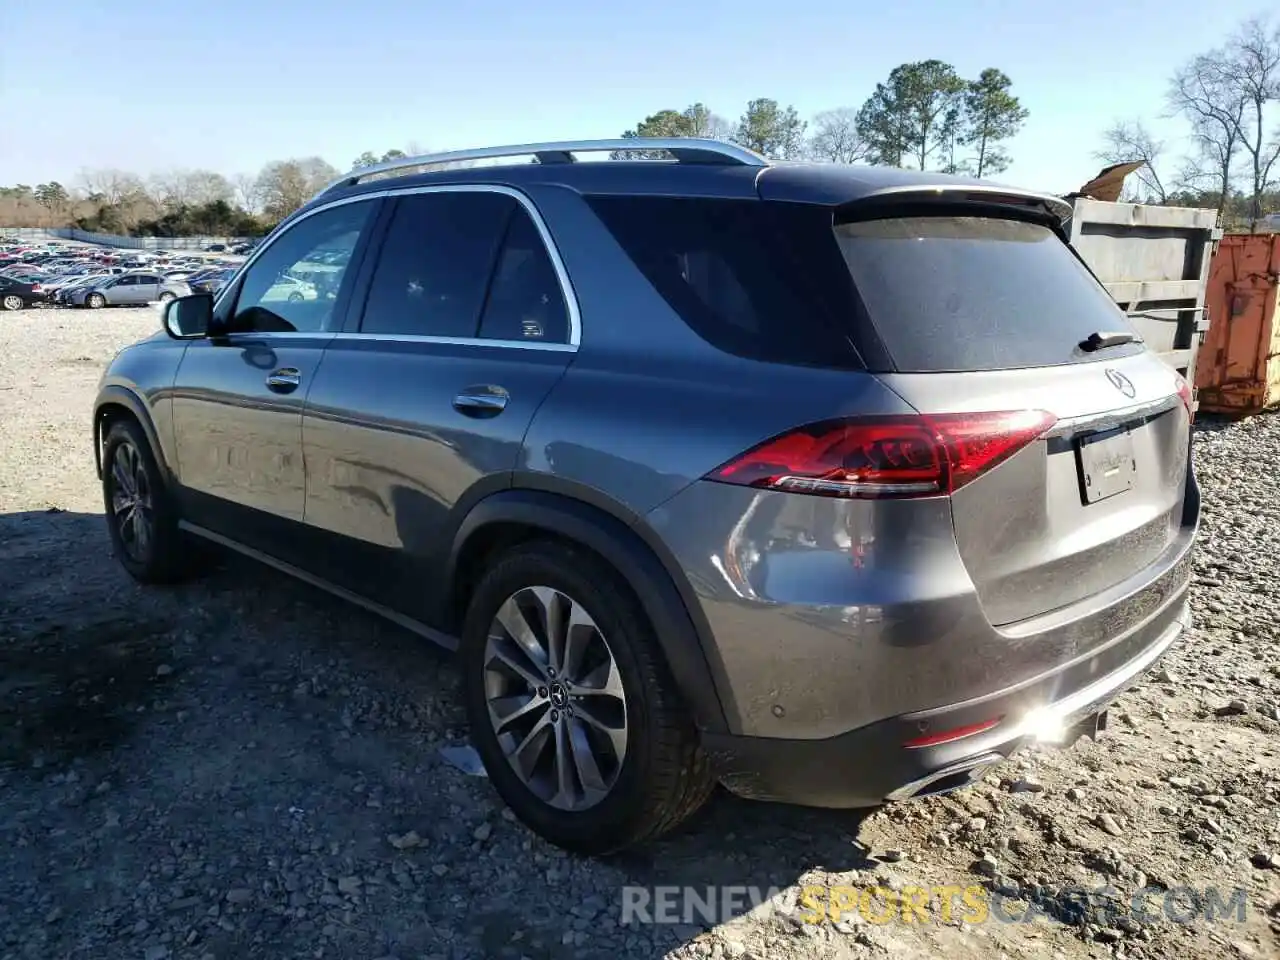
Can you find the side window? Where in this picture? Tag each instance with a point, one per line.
(126, 281)
(525, 301)
(269, 299)
(435, 264)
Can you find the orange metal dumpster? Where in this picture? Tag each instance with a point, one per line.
(1238, 367)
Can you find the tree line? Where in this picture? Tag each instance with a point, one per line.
(924, 116)
(1229, 100)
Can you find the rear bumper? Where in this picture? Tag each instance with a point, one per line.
(871, 765)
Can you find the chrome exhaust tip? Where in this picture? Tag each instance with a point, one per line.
(955, 776)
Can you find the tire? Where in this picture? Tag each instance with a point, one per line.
(130, 474)
(663, 777)
(95, 301)
(11, 302)
(296, 297)
(166, 297)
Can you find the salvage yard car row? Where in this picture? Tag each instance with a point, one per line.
(83, 275)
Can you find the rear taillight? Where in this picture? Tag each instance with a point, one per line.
(36, 288)
(1187, 396)
(879, 457)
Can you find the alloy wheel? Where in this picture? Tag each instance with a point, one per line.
(12, 302)
(131, 502)
(555, 698)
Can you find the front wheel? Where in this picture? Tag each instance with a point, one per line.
(142, 519)
(571, 705)
(11, 302)
(166, 297)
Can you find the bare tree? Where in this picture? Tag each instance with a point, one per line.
(246, 191)
(1127, 140)
(1252, 66)
(836, 138)
(1202, 92)
(286, 185)
(111, 186)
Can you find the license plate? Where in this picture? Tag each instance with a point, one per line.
(1108, 464)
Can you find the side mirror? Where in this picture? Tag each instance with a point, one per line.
(189, 318)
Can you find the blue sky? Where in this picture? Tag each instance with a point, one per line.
(231, 84)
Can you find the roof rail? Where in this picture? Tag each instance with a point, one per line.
(683, 149)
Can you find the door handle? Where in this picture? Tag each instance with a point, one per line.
(284, 380)
(481, 401)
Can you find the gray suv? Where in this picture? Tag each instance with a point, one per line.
(833, 485)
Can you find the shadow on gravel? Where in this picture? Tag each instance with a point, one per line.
(72, 672)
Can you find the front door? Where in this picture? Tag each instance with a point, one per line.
(465, 330)
(123, 291)
(238, 399)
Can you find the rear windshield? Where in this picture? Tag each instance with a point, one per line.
(975, 293)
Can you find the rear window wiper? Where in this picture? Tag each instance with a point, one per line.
(1102, 339)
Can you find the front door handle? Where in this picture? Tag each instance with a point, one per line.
(284, 380)
(485, 400)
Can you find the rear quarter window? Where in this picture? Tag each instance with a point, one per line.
(757, 279)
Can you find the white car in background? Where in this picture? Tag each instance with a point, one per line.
(290, 288)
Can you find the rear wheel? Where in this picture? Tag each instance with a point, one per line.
(571, 705)
(11, 302)
(166, 296)
(95, 301)
(141, 517)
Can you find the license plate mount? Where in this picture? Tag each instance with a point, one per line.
(1108, 464)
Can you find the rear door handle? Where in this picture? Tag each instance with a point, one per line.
(485, 400)
(284, 380)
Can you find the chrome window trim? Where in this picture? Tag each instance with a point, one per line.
(557, 262)
(458, 341)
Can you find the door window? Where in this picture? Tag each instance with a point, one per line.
(129, 281)
(435, 263)
(526, 302)
(319, 248)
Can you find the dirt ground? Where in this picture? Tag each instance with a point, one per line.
(246, 767)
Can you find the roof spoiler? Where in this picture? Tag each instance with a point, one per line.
(1057, 208)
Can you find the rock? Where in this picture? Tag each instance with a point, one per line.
(164, 670)
(891, 856)
(482, 832)
(349, 885)
(155, 952)
(987, 866)
(1212, 825)
(239, 895)
(407, 841)
(439, 869)
(1108, 824)
(1076, 794)
(1233, 709)
(1026, 785)
(976, 825)
(1108, 935)
(1265, 861)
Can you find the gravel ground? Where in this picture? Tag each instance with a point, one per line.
(245, 767)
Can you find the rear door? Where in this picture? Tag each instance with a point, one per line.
(984, 314)
(148, 288)
(423, 408)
